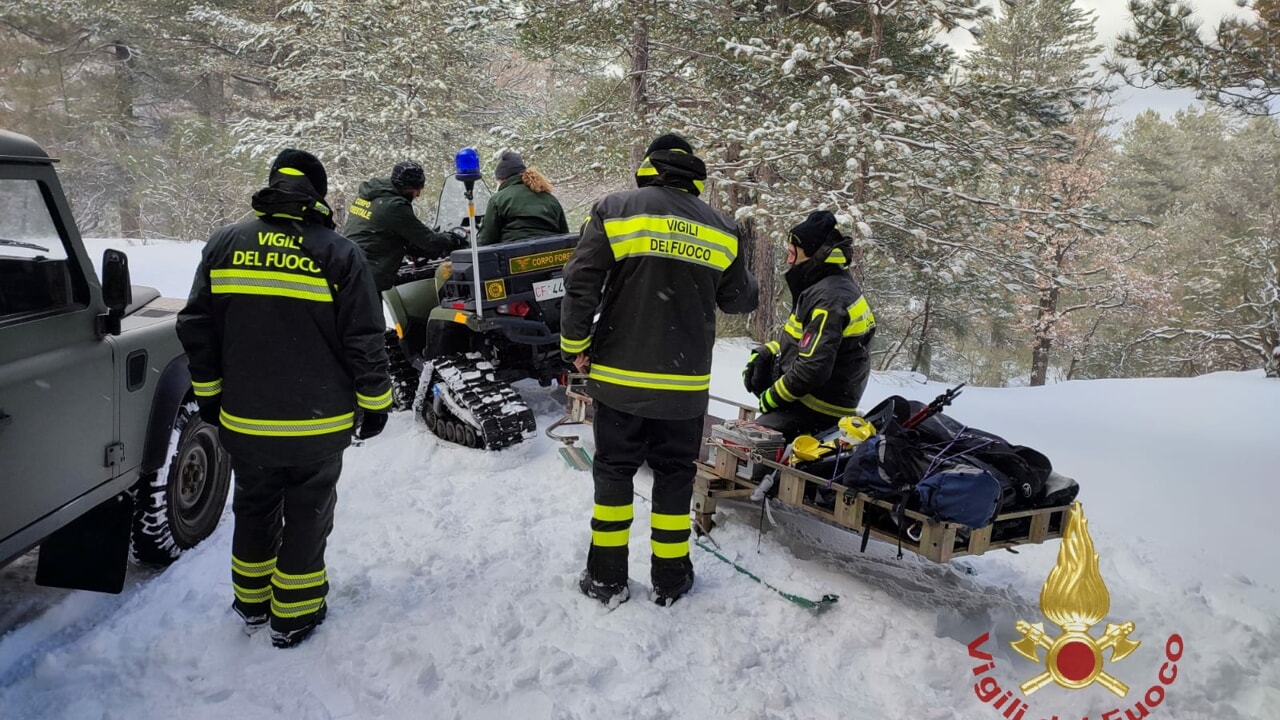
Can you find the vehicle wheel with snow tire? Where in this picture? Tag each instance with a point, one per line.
(180, 504)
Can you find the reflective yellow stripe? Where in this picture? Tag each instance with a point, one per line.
(289, 171)
(257, 569)
(669, 522)
(651, 381)
(860, 318)
(207, 389)
(377, 402)
(836, 257)
(285, 581)
(825, 408)
(278, 215)
(267, 282)
(254, 595)
(793, 327)
(574, 346)
(781, 388)
(646, 168)
(295, 609)
(612, 538)
(773, 346)
(613, 513)
(288, 428)
(813, 342)
(669, 551)
(673, 237)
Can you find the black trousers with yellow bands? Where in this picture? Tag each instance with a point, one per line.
(283, 517)
(623, 443)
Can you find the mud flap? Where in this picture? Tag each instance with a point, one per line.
(92, 553)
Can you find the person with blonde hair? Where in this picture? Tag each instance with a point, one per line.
(523, 207)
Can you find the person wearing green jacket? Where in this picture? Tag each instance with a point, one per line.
(523, 207)
(381, 221)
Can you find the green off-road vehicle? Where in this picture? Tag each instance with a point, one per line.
(101, 448)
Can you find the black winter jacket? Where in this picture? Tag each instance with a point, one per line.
(284, 330)
(517, 213)
(381, 221)
(655, 262)
(824, 354)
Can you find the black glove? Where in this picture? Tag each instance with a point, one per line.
(371, 424)
(461, 238)
(209, 412)
(757, 376)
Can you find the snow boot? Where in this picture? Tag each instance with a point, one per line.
(290, 638)
(253, 622)
(666, 595)
(611, 594)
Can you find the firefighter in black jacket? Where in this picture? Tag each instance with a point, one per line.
(283, 332)
(670, 260)
(817, 373)
(381, 221)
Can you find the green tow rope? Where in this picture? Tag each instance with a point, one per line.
(818, 606)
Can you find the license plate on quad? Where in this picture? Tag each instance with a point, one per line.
(548, 289)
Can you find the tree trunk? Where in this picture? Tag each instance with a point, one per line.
(130, 211)
(1045, 324)
(639, 78)
(923, 351)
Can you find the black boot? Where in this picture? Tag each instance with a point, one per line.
(612, 594)
(666, 594)
(290, 638)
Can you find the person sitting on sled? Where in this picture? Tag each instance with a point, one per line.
(816, 373)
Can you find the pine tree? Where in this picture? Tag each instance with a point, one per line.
(1237, 66)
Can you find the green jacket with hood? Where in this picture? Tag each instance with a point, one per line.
(381, 221)
(517, 213)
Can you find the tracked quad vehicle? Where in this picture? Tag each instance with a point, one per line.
(453, 363)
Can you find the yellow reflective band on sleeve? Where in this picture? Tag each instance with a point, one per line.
(257, 569)
(613, 513)
(826, 408)
(285, 581)
(295, 609)
(207, 389)
(376, 402)
(860, 318)
(780, 387)
(774, 346)
(574, 346)
(813, 341)
(251, 595)
(650, 381)
(613, 538)
(669, 551)
(793, 327)
(668, 236)
(287, 428)
(670, 522)
(236, 281)
(289, 171)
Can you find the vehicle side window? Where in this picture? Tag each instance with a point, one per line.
(34, 273)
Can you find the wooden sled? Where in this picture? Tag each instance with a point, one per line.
(724, 472)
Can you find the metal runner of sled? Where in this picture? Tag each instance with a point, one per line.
(724, 473)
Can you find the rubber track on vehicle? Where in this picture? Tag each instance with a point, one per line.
(404, 376)
(503, 416)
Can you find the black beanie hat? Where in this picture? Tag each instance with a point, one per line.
(306, 163)
(408, 175)
(817, 230)
(669, 142)
(509, 163)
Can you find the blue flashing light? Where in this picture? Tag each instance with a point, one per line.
(467, 165)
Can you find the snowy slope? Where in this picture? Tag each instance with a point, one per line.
(454, 591)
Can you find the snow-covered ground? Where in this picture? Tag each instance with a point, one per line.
(454, 585)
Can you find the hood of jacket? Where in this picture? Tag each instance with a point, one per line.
(673, 169)
(292, 197)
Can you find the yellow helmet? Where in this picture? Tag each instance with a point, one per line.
(856, 427)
